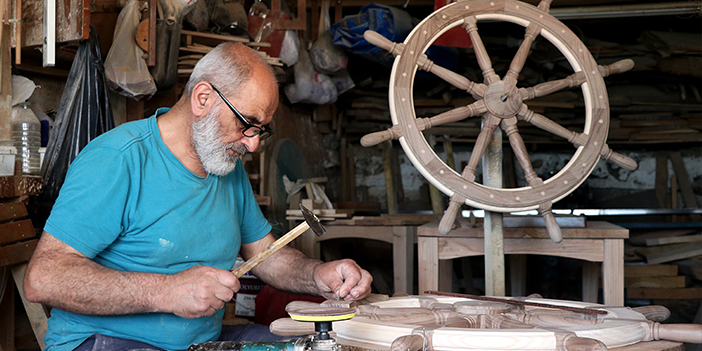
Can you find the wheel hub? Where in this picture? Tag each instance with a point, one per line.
(503, 101)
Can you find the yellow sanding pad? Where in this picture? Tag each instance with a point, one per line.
(322, 314)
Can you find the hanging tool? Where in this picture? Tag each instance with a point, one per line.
(311, 222)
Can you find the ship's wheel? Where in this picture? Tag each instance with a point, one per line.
(501, 104)
(453, 323)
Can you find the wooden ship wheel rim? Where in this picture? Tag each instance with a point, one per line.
(448, 180)
(620, 327)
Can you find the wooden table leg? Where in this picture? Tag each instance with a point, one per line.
(613, 272)
(517, 274)
(591, 280)
(38, 318)
(403, 258)
(7, 312)
(428, 267)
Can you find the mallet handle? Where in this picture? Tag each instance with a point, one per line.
(277, 245)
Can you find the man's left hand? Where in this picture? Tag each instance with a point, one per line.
(342, 280)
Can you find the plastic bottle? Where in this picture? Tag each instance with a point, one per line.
(26, 134)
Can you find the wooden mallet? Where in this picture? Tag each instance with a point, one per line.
(311, 222)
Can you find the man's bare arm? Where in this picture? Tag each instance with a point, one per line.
(290, 270)
(62, 277)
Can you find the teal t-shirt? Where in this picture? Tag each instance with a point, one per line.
(130, 205)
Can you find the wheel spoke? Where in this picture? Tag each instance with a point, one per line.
(509, 126)
(481, 144)
(573, 80)
(517, 64)
(515, 140)
(471, 26)
(577, 139)
(455, 115)
(541, 122)
(423, 62)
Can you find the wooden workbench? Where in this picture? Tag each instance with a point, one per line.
(596, 242)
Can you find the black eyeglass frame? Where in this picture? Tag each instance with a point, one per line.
(263, 132)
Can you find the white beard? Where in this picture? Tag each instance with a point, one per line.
(211, 150)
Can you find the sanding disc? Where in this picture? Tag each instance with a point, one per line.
(322, 314)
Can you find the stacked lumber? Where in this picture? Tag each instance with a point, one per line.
(195, 45)
(323, 214)
(661, 258)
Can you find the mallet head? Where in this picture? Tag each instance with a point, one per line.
(313, 221)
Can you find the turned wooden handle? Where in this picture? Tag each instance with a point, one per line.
(619, 159)
(617, 67)
(691, 333)
(654, 313)
(290, 327)
(552, 227)
(277, 245)
(450, 215)
(376, 138)
(408, 343)
(382, 42)
(574, 343)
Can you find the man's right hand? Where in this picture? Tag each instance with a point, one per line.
(200, 291)
(62, 277)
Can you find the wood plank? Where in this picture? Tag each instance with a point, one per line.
(655, 282)
(5, 82)
(20, 185)
(664, 293)
(675, 254)
(7, 307)
(689, 198)
(38, 317)
(12, 211)
(220, 37)
(16, 253)
(69, 27)
(16, 231)
(593, 230)
(662, 181)
(584, 249)
(674, 240)
(650, 270)
(641, 238)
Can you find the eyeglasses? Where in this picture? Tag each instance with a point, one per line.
(250, 130)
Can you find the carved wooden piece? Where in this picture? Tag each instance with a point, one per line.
(501, 103)
(523, 329)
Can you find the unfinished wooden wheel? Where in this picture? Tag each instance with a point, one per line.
(392, 324)
(501, 104)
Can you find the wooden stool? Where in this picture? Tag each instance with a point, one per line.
(597, 242)
(17, 243)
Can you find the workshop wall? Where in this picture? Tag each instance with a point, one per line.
(608, 186)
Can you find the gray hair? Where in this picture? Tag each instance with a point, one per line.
(228, 67)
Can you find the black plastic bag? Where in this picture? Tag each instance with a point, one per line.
(83, 114)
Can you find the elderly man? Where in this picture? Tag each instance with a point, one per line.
(137, 250)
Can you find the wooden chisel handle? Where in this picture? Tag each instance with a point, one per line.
(277, 245)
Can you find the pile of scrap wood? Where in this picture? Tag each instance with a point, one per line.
(196, 44)
(656, 260)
